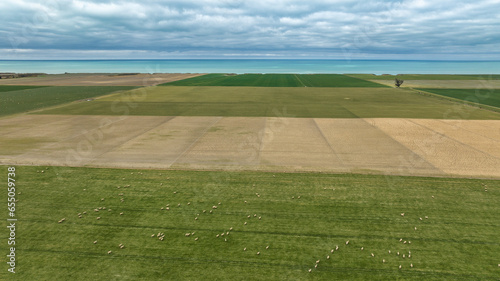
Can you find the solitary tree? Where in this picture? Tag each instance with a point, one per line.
(398, 82)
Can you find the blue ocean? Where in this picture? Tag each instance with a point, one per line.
(251, 66)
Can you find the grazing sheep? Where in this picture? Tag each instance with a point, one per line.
(411, 265)
(245, 223)
(98, 218)
(84, 212)
(310, 270)
(336, 248)
(260, 218)
(258, 253)
(317, 261)
(331, 251)
(347, 242)
(399, 266)
(196, 218)
(403, 256)
(196, 239)
(415, 228)
(187, 234)
(267, 247)
(248, 216)
(327, 257)
(244, 249)
(373, 255)
(95, 242)
(109, 252)
(402, 214)
(231, 228)
(152, 236)
(420, 218)
(217, 235)
(389, 251)
(383, 261)
(315, 266)
(121, 213)
(362, 248)
(225, 240)
(398, 253)
(298, 197)
(189, 203)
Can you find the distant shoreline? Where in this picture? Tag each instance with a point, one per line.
(240, 66)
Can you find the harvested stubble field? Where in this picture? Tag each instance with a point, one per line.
(106, 224)
(371, 145)
(90, 79)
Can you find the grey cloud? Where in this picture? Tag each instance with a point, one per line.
(281, 27)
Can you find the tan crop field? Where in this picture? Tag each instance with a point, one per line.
(401, 146)
(88, 79)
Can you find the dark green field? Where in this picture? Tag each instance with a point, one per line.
(275, 80)
(17, 99)
(425, 77)
(303, 218)
(489, 97)
(9, 88)
(266, 101)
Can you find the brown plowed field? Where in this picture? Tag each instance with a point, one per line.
(85, 79)
(427, 147)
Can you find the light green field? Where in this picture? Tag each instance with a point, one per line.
(17, 99)
(452, 241)
(264, 101)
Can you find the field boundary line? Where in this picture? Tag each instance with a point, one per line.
(469, 103)
(196, 140)
(300, 80)
(329, 144)
(407, 148)
(442, 121)
(452, 139)
(168, 118)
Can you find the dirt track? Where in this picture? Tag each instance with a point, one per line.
(98, 79)
(387, 146)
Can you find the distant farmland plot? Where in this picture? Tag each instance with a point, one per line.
(276, 226)
(9, 88)
(267, 101)
(275, 80)
(25, 98)
(425, 77)
(489, 97)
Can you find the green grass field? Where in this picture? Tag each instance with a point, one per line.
(425, 77)
(302, 218)
(264, 101)
(275, 80)
(489, 97)
(17, 99)
(9, 88)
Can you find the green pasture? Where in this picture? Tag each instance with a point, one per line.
(17, 99)
(425, 77)
(489, 97)
(449, 231)
(275, 80)
(274, 101)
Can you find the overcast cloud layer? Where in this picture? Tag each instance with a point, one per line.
(371, 29)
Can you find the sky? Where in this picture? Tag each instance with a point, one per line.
(234, 29)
